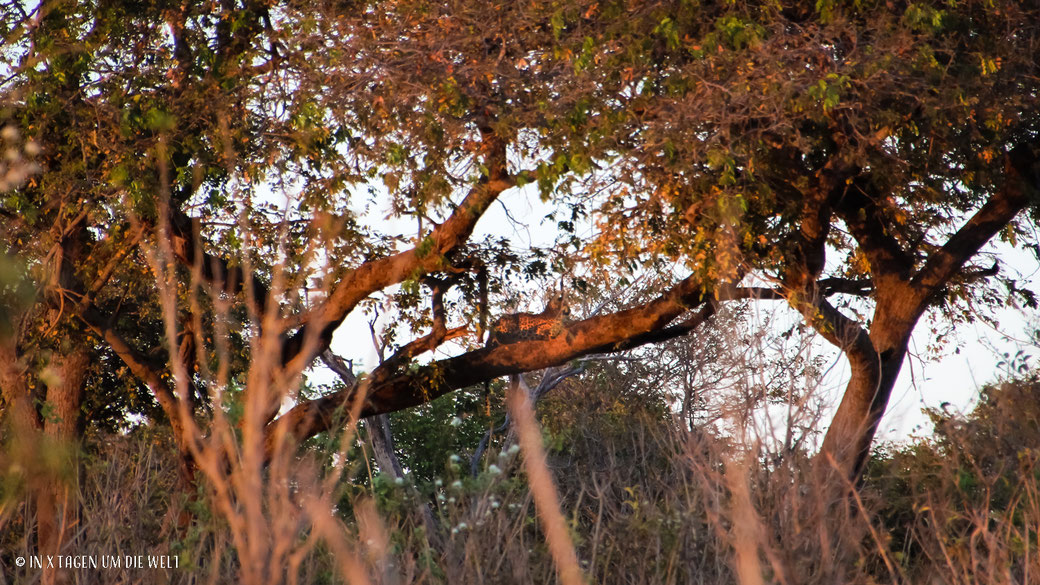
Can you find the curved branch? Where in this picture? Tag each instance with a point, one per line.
(185, 236)
(858, 205)
(148, 373)
(428, 256)
(1021, 185)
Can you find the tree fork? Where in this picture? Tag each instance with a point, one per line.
(901, 301)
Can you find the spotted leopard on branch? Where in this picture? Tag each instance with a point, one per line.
(517, 327)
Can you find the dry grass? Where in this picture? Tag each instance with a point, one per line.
(607, 485)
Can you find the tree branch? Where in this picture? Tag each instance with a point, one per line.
(427, 257)
(807, 254)
(185, 236)
(609, 333)
(551, 378)
(860, 287)
(139, 365)
(400, 390)
(857, 204)
(1021, 185)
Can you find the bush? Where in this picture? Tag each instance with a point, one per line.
(964, 505)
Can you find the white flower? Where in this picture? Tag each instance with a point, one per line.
(462, 526)
(494, 469)
(514, 449)
(438, 482)
(456, 485)
(454, 458)
(451, 500)
(398, 481)
(455, 421)
(495, 504)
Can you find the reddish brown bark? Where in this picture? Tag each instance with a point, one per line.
(391, 390)
(20, 412)
(52, 489)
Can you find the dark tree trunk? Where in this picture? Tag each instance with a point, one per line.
(382, 440)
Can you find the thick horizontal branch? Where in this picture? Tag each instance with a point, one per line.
(825, 287)
(609, 333)
(661, 335)
(622, 330)
(860, 287)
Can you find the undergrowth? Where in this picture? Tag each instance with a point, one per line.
(645, 499)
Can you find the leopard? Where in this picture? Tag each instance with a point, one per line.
(516, 327)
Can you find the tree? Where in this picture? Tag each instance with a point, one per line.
(892, 140)
(211, 174)
(730, 140)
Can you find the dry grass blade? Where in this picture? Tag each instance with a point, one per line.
(546, 499)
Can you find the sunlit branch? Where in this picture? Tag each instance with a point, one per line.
(428, 256)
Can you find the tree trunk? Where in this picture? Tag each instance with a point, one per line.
(57, 499)
(383, 449)
(902, 298)
(875, 370)
(383, 445)
(382, 440)
(846, 446)
(52, 490)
